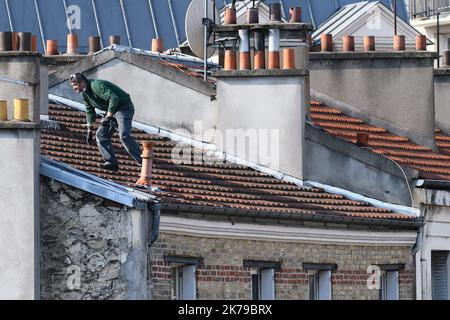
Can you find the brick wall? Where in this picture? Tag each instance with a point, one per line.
(222, 275)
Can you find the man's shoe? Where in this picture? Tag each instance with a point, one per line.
(109, 166)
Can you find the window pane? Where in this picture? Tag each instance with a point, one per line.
(189, 283)
(267, 284)
(324, 285)
(392, 285)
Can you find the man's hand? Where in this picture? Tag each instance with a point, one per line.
(90, 135)
(111, 124)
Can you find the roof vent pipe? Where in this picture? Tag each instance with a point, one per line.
(369, 43)
(24, 41)
(114, 40)
(446, 58)
(147, 164)
(421, 43)
(399, 43)
(362, 139)
(296, 14)
(348, 43)
(6, 41)
(94, 44)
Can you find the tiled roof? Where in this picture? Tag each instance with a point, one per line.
(219, 185)
(430, 164)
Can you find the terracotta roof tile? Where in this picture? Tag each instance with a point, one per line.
(213, 185)
(430, 164)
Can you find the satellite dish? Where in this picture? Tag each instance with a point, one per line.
(195, 29)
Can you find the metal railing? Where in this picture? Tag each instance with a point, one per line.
(428, 8)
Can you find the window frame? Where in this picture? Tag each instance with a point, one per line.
(320, 270)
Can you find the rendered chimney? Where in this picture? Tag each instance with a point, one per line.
(348, 43)
(421, 43)
(147, 164)
(52, 47)
(327, 42)
(369, 43)
(72, 43)
(114, 40)
(94, 44)
(399, 43)
(158, 45)
(296, 14)
(6, 41)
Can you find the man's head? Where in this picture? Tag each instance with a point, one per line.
(79, 82)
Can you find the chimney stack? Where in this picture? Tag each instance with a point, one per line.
(72, 43)
(147, 164)
(19, 181)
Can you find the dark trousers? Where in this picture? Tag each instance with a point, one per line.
(124, 116)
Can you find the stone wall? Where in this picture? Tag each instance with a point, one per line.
(86, 245)
(222, 275)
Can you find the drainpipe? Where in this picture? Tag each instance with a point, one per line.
(155, 210)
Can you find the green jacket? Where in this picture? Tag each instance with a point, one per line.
(105, 96)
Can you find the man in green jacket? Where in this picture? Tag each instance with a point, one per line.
(106, 96)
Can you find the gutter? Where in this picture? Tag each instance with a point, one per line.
(90, 183)
(319, 216)
(433, 184)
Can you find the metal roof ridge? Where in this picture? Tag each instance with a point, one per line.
(87, 182)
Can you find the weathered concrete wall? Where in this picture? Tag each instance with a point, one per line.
(19, 213)
(338, 163)
(223, 276)
(91, 248)
(394, 90)
(159, 101)
(442, 98)
(267, 115)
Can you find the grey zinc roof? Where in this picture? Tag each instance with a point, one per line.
(136, 21)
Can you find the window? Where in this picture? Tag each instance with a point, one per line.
(389, 286)
(439, 275)
(263, 279)
(320, 287)
(184, 283)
